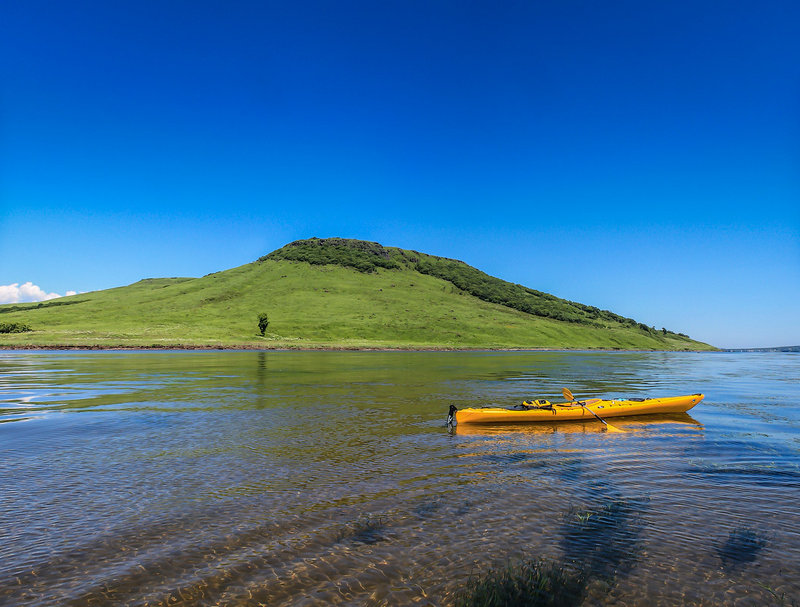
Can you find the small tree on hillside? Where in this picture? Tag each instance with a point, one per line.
(263, 321)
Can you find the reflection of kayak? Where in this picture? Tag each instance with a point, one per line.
(542, 411)
(642, 423)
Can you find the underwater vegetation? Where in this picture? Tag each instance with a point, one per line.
(428, 506)
(368, 529)
(780, 598)
(532, 582)
(603, 540)
(742, 546)
(599, 544)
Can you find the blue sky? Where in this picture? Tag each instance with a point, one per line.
(640, 157)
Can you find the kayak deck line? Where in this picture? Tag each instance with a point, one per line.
(544, 411)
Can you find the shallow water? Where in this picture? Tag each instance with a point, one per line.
(282, 478)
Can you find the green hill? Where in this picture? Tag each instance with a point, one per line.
(334, 293)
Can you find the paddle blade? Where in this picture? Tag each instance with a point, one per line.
(567, 394)
(611, 428)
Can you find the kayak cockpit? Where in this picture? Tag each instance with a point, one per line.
(541, 403)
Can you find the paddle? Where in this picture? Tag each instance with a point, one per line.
(568, 395)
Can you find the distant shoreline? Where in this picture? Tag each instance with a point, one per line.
(775, 349)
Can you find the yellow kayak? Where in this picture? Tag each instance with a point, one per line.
(544, 411)
(664, 422)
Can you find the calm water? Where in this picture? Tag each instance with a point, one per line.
(239, 478)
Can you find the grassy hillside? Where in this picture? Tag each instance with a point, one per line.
(332, 293)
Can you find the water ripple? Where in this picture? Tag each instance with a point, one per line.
(241, 478)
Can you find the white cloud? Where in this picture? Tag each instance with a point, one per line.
(14, 293)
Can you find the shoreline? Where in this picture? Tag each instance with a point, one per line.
(284, 348)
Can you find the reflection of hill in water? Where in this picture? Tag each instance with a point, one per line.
(639, 423)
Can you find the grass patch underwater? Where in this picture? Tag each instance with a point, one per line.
(537, 582)
(780, 599)
(604, 540)
(741, 547)
(368, 529)
(599, 545)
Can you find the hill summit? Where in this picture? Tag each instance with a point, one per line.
(333, 293)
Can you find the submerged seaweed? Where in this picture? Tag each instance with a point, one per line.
(532, 582)
(742, 546)
(599, 544)
(603, 540)
(428, 506)
(367, 529)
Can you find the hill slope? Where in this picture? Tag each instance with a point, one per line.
(332, 293)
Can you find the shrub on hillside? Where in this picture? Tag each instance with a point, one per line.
(14, 327)
(494, 290)
(263, 322)
(357, 254)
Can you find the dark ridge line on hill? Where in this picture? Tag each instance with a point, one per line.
(173, 279)
(37, 306)
(366, 256)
